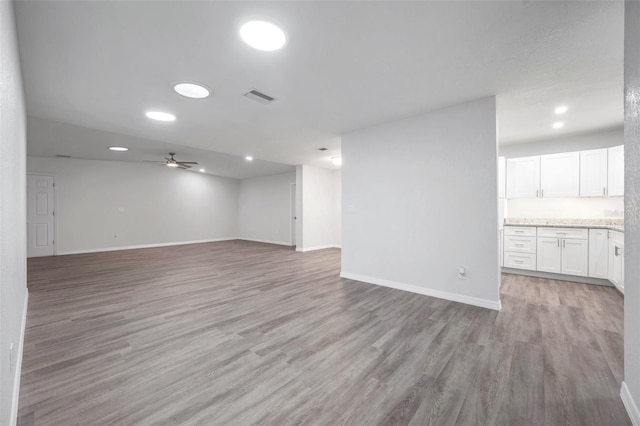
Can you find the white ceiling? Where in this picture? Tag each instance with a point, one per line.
(347, 65)
(50, 138)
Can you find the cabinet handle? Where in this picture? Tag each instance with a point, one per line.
(558, 243)
(537, 193)
(519, 245)
(542, 193)
(519, 232)
(604, 190)
(617, 251)
(519, 261)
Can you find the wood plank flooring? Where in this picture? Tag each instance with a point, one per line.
(241, 333)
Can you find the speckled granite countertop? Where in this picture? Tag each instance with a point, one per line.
(613, 224)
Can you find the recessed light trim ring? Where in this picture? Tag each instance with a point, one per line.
(192, 89)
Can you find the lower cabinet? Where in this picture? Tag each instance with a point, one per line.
(616, 259)
(599, 253)
(563, 256)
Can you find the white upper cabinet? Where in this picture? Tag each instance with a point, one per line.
(501, 177)
(616, 170)
(523, 177)
(560, 175)
(593, 173)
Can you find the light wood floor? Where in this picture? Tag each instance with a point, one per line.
(238, 333)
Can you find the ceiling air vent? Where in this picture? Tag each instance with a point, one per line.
(259, 96)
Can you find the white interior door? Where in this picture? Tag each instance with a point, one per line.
(40, 215)
(293, 214)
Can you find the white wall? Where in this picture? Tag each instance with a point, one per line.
(265, 208)
(570, 208)
(318, 201)
(631, 387)
(144, 204)
(13, 213)
(577, 142)
(420, 200)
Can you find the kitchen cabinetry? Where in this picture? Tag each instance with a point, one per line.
(616, 170)
(520, 247)
(560, 175)
(563, 250)
(616, 259)
(523, 177)
(593, 173)
(599, 253)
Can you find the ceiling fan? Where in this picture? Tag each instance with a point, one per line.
(172, 162)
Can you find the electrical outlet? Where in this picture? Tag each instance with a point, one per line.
(11, 357)
(462, 273)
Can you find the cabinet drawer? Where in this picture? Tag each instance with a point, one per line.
(520, 260)
(520, 244)
(524, 231)
(577, 233)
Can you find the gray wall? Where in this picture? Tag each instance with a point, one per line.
(419, 200)
(265, 208)
(13, 211)
(632, 205)
(142, 203)
(577, 142)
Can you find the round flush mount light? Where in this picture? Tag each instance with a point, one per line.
(558, 125)
(118, 148)
(263, 35)
(192, 90)
(337, 161)
(248, 158)
(561, 109)
(160, 116)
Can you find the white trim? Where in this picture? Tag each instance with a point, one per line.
(303, 249)
(469, 300)
(16, 380)
(141, 246)
(558, 277)
(630, 405)
(281, 243)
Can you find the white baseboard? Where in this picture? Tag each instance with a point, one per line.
(280, 243)
(630, 405)
(18, 372)
(483, 303)
(303, 249)
(177, 243)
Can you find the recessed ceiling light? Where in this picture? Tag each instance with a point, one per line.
(192, 90)
(118, 148)
(558, 125)
(202, 170)
(160, 116)
(263, 35)
(248, 158)
(337, 161)
(561, 109)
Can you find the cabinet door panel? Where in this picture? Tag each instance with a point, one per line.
(616, 170)
(575, 257)
(548, 255)
(593, 173)
(599, 253)
(523, 177)
(560, 175)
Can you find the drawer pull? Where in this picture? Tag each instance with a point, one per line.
(519, 261)
(519, 245)
(519, 231)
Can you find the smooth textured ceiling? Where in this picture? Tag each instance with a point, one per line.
(347, 65)
(50, 138)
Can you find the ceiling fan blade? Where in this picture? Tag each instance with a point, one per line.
(186, 166)
(187, 162)
(153, 161)
(183, 168)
